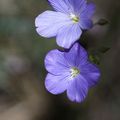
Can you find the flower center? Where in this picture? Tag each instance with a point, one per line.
(74, 18)
(74, 72)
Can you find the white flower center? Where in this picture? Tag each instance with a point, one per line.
(74, 72)
(74, 18)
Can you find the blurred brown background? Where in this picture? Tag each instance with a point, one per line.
(22, 73)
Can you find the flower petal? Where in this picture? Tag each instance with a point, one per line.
(78, 5)
(60, 5)
(77, 89)
(55, 63)
(91, 73)
(85, 16)
(76, 55)
(56, 84)
(85, 23)
(89, 11)
(49, 22)
(67, 35)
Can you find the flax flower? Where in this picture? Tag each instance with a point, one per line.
(66, 22)
(70, 71)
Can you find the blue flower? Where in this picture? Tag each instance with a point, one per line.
(67, 22)
(71, 72)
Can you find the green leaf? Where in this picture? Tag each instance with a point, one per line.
(104, 49)
(94, 59)
(95, 56)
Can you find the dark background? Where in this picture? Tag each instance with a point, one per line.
(22, 73)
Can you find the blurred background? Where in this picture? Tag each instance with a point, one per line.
(22, 73)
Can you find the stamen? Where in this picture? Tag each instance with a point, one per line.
(74, 18)
(74, 72)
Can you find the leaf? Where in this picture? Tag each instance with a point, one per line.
(94, 59)
(104, 49)
(95, 56)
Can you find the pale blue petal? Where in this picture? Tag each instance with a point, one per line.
(56, 84)
(76, 55)
(85, 23)
(61, 5)
(85, 16)
(77, 6)
(89, 11)
(55, 63)
(67, 35)
(49, 22)
(91, 73)
(77, 89)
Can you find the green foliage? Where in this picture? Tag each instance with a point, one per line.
(95, 56)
